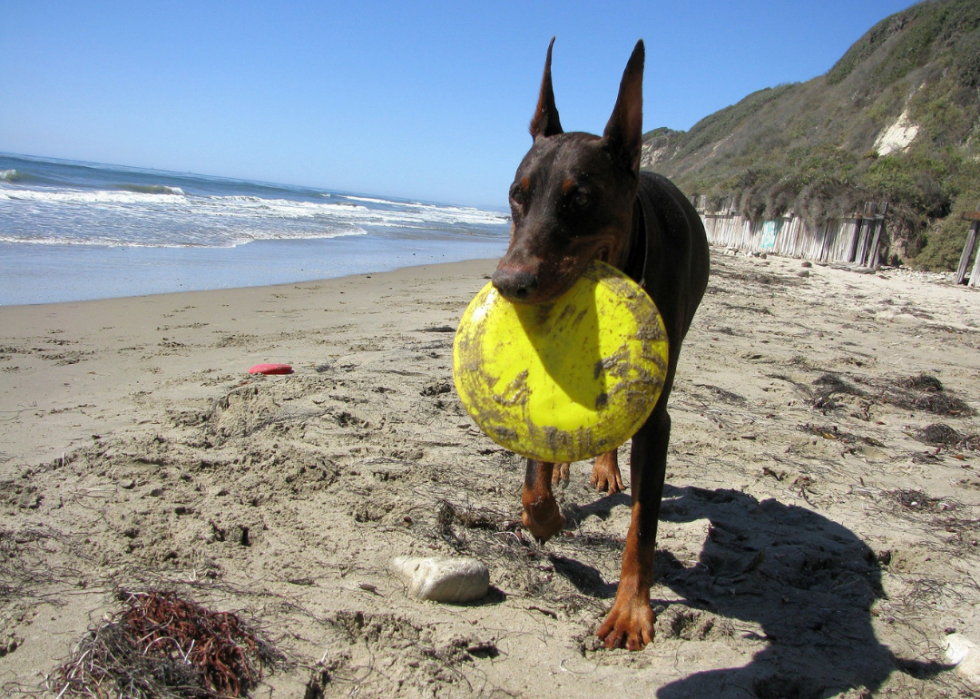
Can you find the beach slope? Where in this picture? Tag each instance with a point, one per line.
(819, 534)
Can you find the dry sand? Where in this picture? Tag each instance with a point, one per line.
(811, 545)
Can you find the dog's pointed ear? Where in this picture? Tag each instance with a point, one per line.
(545, 121)
(623, 136)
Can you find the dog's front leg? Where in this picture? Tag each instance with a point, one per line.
(630, 621)
(541, 514)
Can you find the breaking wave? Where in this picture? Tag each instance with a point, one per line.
(152, 189)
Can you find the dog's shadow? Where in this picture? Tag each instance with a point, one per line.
(806, 581)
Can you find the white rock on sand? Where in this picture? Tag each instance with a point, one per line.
(965, 654)
(443, 579)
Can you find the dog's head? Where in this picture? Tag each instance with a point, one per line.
(573, 194)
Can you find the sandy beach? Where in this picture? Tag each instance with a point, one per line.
(820, 535)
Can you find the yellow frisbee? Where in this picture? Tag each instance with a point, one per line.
(567, 380)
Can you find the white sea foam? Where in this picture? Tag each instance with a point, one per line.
(81, 196)
(211, 241)
(440, 213)
(152, 189)
(246, 206)
(370, 200)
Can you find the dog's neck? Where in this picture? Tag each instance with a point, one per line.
(636, 251)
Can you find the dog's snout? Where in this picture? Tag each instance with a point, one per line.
(515, 285)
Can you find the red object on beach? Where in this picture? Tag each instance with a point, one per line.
(271, 369)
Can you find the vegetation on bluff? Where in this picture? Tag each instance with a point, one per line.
(817, 148)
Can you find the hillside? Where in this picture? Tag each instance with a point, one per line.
(896, 119)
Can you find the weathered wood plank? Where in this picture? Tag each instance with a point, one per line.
(975, 276)
(875, 254)
(852, 255)
(971, 241)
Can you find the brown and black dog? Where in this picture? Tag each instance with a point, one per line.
(577, 197)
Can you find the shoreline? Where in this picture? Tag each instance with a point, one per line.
(407, 268)
(38, 274)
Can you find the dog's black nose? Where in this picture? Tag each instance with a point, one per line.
(515, 286)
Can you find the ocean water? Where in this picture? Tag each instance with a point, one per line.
(74, 231)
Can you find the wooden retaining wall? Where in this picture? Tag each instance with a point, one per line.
(855, 239)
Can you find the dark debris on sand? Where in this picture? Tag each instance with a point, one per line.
(922, 392)
(941, 435)
(166, 647)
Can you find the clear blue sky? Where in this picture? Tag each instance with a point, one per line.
(426, 100)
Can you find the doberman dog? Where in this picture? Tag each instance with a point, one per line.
(577, 197)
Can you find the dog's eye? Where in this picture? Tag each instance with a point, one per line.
(517, 194)
(579, 200)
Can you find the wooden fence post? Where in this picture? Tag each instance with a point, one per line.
(876, 243)
(852, 250)
(859, 246)
(971, 240)
(975, 276)
(870, 224)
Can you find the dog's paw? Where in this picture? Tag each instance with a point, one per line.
(629, 624)
(543, 520)
(606, 475)
(561, 474)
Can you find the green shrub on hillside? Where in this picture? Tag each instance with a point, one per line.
(967, 60)
(862, 49)
(943, 241)
(919, 182)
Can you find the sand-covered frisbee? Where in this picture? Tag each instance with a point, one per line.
(567, 380)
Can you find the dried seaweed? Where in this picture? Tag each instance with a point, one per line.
(829, 385)
(942, 435)
(163, 646)
(27, 564)
(918, 501)
(923, 382)
(833, 432)
(723, 395)
(922, 392)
